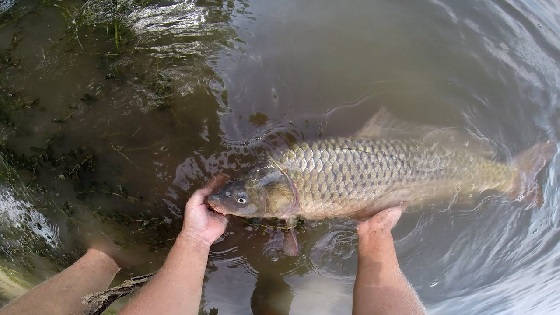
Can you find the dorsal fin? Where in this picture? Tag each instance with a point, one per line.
(385, 125)
(460, 138)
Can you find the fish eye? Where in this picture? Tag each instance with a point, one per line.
(241, 200)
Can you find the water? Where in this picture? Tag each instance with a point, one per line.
(112, 115)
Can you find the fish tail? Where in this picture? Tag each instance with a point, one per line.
(528, 164)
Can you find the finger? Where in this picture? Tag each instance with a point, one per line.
(403, 205)
(383, 220)
(198, 197)
(392, 216)
(220, 217)
(216, 182)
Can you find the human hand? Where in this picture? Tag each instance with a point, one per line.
(110, 238)
(200, 222)
(380, 224)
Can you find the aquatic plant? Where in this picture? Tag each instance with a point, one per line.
(154, 56)
(110, 14)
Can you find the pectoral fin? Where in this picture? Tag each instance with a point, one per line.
(291, 247)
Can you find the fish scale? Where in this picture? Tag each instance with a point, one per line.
(358, 177)
(338, 176)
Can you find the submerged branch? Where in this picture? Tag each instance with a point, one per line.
(100, 301)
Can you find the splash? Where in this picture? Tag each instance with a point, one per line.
(20, 214)
(5, 5)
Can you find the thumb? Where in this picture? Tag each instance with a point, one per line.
(216, 182)
(384, 220)
(391, 217)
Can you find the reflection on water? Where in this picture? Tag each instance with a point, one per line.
(112, 113)
(6, 5)
(18, 214)
(271, 295)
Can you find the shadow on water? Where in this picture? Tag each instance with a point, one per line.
(269, 296)
(112, 113)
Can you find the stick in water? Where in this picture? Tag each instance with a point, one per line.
(98, 302)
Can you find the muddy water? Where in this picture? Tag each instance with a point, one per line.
(112, 114)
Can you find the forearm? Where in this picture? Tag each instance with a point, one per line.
(177, 287)
(63, 293)
(381, 287)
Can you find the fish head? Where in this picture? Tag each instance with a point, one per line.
(233, 199)
(263, 192)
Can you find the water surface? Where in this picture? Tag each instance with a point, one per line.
(112, 115)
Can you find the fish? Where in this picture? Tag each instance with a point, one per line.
(357, 177)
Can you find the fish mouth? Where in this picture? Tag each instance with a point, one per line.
(216, 206)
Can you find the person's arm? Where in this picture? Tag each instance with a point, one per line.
(381, 287)
(177, 287)
(63, 293)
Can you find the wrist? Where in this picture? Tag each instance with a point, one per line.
(97, 257)
(375, 244)
(376, 253)
(194, 240)
(372, 237)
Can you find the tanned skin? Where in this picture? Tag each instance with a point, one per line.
(62, 293)
(381, 287)
(177, 287)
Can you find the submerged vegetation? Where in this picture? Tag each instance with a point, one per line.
(81, 109)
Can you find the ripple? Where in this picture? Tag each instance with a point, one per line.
(19, 214)
(334, 254)
(5, 5)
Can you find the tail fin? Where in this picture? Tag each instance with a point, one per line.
(529, 163)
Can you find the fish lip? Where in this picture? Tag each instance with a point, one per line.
(216, 207)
